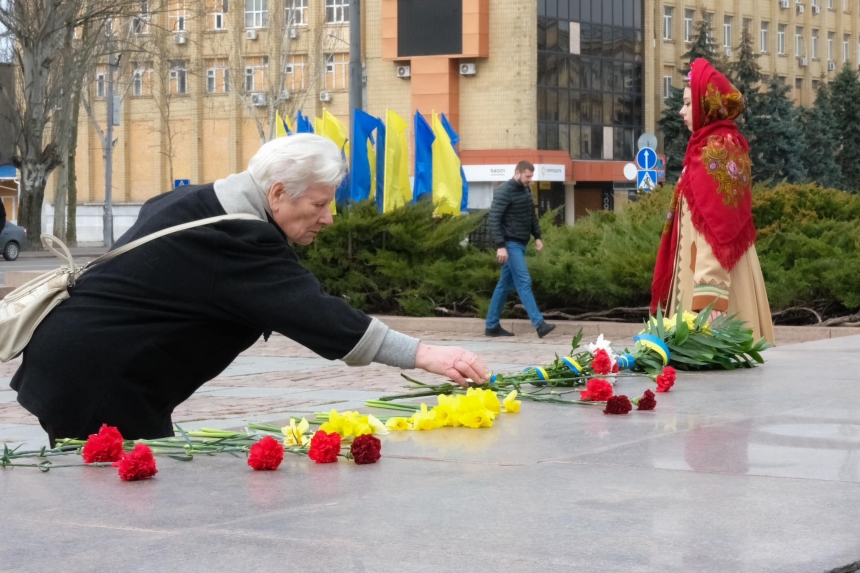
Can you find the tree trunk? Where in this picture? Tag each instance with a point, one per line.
(72, 218)
(34, 176)
(60, 199)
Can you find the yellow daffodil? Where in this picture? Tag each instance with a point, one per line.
(347, 424)
(375, 425)
(511, 404)
(488, 398)
(397, 424)
(425, 419)
(295, 433)
(477, 419)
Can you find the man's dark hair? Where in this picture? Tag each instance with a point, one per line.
(524, 166)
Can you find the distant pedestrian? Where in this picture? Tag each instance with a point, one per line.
(513, 222)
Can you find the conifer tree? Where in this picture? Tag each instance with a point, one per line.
(703, 46)
(821, 133)
(745, 74)
(675, 134)
(777, 148)
(845, 97)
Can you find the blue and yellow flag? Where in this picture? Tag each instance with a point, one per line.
(397, 192)
(424, 139)
(447, 181)
(363, 160)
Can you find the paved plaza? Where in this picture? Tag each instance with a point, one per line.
(735, 471)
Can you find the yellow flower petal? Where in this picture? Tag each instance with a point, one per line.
(397, 424)
(512, 405)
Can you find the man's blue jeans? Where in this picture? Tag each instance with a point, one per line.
(515, 273)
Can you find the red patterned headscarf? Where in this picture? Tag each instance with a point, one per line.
(715, 183)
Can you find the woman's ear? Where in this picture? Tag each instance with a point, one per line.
(276, 196)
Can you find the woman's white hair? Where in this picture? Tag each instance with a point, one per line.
(298, 162)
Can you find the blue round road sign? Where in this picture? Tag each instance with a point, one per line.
(646, 158)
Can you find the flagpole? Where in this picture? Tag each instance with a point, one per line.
(354, 64)
(108, 214)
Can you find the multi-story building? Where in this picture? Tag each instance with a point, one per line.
(569, 84)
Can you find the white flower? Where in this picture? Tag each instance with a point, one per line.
(601, 344)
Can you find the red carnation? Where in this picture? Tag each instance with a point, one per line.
(666, 379)
(106, 446)
(596, 390)
(618, 405)
(366, 449)
(267, 454)
(615, 367)
(602, 363)
(324, 448)
(647, 401)
(137, 464)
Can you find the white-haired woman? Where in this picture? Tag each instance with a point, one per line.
(141, 333)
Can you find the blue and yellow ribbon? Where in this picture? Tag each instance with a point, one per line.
(625, 361)
(572, 364)
(655, 344)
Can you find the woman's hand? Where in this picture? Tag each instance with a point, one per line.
(455, 363)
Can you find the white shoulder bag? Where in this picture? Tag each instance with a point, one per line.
(23, 309)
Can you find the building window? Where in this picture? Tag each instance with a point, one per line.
(815, 85)
(846, 38)
(215, 10)
(667, 86)
(140, 23)
(216, 75)
(178, 77)
(256, 13)
(296, 12)
(814, 44)
(336, 71)
(668, 12)
(830, 38)
(798, 84)
(830, 4)
(295, 74)
(137, 82)
(815, 2)
(747, 24)
(798, 41)
(780, 39)
(255, 74)
(100, 84)
(177, 20)
(336, 11)
(763, 35)
(709, 18)
(727, 31)
(780, 80)
(688, 25)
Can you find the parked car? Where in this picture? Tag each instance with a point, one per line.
(12, 240)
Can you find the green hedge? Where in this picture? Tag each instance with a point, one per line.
(410, 263)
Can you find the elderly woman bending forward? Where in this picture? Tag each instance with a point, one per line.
(141, 333)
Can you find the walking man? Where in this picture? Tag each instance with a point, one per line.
(513, 222)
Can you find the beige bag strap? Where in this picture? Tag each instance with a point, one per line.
(52, 243)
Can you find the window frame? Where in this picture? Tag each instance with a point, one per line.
(668, 17)
(259, 14)
(780, 39)
(337, 11)
(764, 39)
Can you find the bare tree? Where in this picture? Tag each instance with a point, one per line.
(270, 74)
(41, 29)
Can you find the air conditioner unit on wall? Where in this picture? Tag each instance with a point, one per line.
(294, 33)
(783, 4)
(468, 70)
(325, 96)
(179, 39)
(404, 72)
(831, 66)
(804, 62)
(251, 34)
(816, 9)
(285, 94)
(728, 52)
(800, 8)
(259, 99)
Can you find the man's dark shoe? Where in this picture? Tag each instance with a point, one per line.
(544, 328)
(498, 331)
